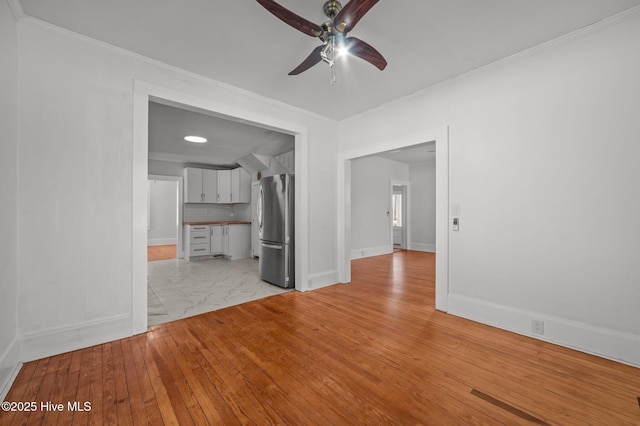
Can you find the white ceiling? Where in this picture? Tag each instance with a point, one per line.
(227, 140)
(239, 43)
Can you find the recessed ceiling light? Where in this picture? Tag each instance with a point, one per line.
(195, 139)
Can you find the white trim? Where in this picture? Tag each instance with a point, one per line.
(9, 368)
(371, 251)
(179, 227)
(599, 341)
(16, 9)
(142, 93)
(427, 247)
(323, 279)
(441, 138)
(70, 338)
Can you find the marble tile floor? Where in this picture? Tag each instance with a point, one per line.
(179, 289)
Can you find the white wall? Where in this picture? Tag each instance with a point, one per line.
(166, 168)
(423, 206)
(75, 181)
(8, 189)
(163, 212)
(370, 202)
(543, 154)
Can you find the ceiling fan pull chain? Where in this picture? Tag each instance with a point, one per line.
(333, 61)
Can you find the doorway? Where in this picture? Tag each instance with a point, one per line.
(441, 139)
(399, 215)
(164, 216)
(145, 92)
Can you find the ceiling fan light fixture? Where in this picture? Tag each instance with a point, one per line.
(342, 50)
(328, 53)
(195, 139)
(332, 34)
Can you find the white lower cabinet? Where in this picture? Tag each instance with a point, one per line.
(216, 239)
(198, 240)
(237, 241)
(232, 241)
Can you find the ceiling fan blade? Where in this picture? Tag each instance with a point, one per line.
(297, 22)
(311, 60)
(363, 50)
(351, 13)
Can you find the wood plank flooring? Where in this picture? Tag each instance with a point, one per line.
(165, 252)
(372, 352)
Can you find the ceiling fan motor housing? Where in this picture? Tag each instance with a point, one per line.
(331, 8)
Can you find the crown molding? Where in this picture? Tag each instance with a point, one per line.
(16, 9)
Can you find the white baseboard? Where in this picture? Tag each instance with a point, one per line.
(161, 241)
(323, 279)
(65, 339)
(606, 343)
(9, 368)
(430, 248)
(371, 251)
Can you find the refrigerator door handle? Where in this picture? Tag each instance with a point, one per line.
(273, 246)
(260, 210)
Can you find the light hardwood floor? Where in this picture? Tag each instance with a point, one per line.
(372, 352)
(165, 252)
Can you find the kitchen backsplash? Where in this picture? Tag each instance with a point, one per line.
(242, 212)
(216, 212)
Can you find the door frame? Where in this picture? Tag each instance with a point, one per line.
(143, 92)
(441, 139)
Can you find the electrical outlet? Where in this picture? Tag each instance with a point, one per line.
(537, 326)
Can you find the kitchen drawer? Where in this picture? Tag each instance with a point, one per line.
(199, 237)
(199, 250)
(199, 228)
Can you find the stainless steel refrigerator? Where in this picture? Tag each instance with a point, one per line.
(276, 230)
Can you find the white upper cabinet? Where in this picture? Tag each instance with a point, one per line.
(200, 185)
(224, 186)
(217, 186)
(209, 186)
(240, 186)
(192, 185)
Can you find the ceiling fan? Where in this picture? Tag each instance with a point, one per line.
(332, 33)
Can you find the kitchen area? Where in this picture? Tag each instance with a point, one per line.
(221, 212)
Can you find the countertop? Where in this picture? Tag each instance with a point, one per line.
(225, 222)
